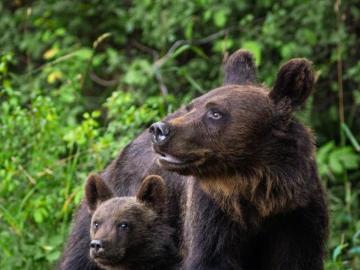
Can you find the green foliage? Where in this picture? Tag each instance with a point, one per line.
(80, 79)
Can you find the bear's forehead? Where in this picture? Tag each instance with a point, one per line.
(116, 208)
(234, 94)
(250, 98)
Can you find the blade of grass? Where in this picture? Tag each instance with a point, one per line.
(8, 217)
(194, 83)
(351, 137)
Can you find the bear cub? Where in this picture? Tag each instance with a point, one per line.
(130, 232)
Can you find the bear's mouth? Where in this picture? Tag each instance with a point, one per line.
(171, 162)
(102, 260)
(108, 261)
(109, 258)
(172, 159)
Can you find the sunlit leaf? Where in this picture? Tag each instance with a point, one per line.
(255, 48)
(51, 53)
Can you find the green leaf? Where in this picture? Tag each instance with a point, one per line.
(207, 15)
(337, 251)
(38, 216)
(255, 48)
(335, 163)
(323, 152)
(309, 36)
(220, 17)
(347, 157)
(84, 53)
(223, 45)
(53, 256)
(288, 50)
(355, 250)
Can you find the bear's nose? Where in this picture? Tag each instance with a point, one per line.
(96, 245)
(160, 132)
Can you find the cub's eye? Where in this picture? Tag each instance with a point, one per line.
(215, 115)
(189, 107)
(123, 226)
(96, 224)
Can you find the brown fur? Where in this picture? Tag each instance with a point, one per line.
(254, 161)
(239, 68)
(257, 189)
(240, 172)
(295, 81)
(146, 240)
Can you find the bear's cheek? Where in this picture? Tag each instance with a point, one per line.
(120, 245)
(245, 146)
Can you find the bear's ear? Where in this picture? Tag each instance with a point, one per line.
(240, 68)
(152, 192)
(96, 192)
(294, 83)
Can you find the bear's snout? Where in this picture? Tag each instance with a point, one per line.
(96, 246)
(160, 132)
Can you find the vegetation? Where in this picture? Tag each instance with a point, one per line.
(79, 80)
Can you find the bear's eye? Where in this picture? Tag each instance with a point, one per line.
(123, 225)
(189, 107)
(96, 224)
(214, 114)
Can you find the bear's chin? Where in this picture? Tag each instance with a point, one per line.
(108, 263)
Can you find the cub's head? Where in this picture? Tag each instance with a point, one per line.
(122, 228)
(236, 127)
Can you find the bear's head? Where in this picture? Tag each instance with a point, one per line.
(124, 229)
(242, 138)
(233, 129)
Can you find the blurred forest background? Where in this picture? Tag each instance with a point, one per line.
(79, 80)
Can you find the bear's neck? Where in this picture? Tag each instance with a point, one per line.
(156, 250)
(118, 267)
(250, 198)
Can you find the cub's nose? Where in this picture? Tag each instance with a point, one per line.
(96, 245)
(160, 132)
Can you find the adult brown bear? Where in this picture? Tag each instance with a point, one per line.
(240, 172)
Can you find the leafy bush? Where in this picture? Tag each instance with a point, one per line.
(79, 80)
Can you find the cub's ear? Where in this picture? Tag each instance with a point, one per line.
(294, 82)
(152, 192)
(96, 192)
(240, 68)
